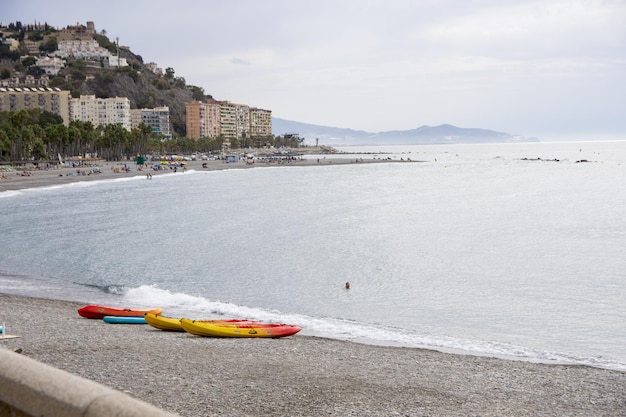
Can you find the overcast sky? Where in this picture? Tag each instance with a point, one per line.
(553, 69)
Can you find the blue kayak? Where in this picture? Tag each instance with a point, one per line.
(124, 320)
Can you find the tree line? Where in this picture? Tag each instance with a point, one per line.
(37, 136)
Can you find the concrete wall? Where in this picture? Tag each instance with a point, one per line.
(30, 388)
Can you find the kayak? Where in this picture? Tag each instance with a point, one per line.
(163, 323)
(173, 324)
(94, 311)
(124, 320)
(200, 328)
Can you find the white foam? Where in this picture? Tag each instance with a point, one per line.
(195, 307)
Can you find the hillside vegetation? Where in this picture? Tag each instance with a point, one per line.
(144, 88)
(32, 135)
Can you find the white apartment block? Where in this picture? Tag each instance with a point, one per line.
(101, 111)
(158, 119)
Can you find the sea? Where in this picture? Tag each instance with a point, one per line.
(510, 250)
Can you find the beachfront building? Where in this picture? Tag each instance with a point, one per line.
(52, 100)
(212, 118)
(158, 119)
(101, 111)
(242, 120)
(203, 119)
(194, 112)
(228, 120)
(260, 123)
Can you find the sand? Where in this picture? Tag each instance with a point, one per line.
(300, 375)
(14, 179)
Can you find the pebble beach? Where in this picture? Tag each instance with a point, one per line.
(299, 375)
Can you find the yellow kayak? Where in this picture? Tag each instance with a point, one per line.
(163, 323)
(214, 329)
(173, 324)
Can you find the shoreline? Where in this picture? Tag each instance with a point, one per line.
(14, 180)
(299, 375)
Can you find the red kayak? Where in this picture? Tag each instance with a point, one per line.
(94, 311)
(273, 330)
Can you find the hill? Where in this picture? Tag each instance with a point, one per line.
(441, 134)
(144, 87)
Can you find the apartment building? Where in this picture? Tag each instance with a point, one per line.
(158, 119)
(53, 100)
(228, 120)
(194, 115)
(260, 122)
(101, 111)
(203, 119)
(242, 120)
(211, 118)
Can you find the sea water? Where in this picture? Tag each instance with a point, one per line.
(509, 250)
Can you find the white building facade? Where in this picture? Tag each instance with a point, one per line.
(88, 50)
(101, 111)
(51, 66)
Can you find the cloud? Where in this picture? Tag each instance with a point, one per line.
(521, 66)
(239, 61)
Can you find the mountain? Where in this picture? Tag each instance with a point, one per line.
(441, 134)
